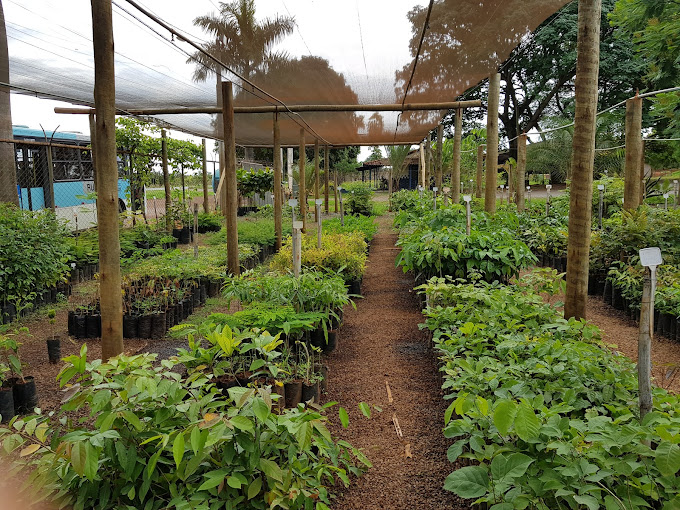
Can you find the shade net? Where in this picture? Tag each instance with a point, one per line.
(347, 52)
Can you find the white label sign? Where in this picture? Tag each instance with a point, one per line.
(88, 187)
(650, 257)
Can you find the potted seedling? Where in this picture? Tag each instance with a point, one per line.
(23, 387)
(6, 395)
(54, 341)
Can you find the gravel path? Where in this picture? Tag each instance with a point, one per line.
(380, 342)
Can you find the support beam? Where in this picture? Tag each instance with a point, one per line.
(421, 165)
(231, 203)
(521, 169)
(278, 189)
(335, 190)
(583, 157)
(492, 143)
(206, 203)
(326, 177)
(293, 108)
(631, 191)
(438, 177)
(641, 197)
(428, 162)
(455, 167)
(166, 181)
(93, 145)
(289, 168)
(302, 193)
(317, 180)
(480, 169)
(111, 301)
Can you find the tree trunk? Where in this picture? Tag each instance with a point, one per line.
(8, 171)
(166, 181)
(480, 170)
(492, 143)
(455, 172)
(326, 176)
(231, 191)
(206, 203)
(583, 157)
(521, 169)
(107, 201)
(302, 193)
(278, 190)
(631, 190)
(438, 169)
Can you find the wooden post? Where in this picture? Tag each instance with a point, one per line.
(206, 203)
(231, 202)
(317, 183)
(107, 204)
(50, 176)
(166, 181)
(8, 170)
(631, 191)
(289, 168)
(195, 231)
(641, 197)
(455, 171)
(521, 169)
(278, 190)
(335, 190)
(428, 162)
(421, 166)
(480, 170)
(438, 167)
(326, 177)
(583, 157)
(93, 145)
(184, 195)
(644, 364)
(492, 143)
(302, 194)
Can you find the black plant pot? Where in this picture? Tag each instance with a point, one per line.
(185, 236)
(144, 326)
(657, 316)
(617, 298)
(71, 322)
(9, 313)
(130, 326)
(188, 307)
(673, 327)
(664, 324)
(323, 385)
(213, 288)
(317, 338)
(158, 325)
(6, 403)
(203, 294)
(179, 313)
(309, 392)
(80, 326)
(355, 287)
(169, 317)
(293, 393)
(93, 325)
(25, 395)
(332, 343)
(607, 292)
(54, 349)
(196, 297)
(677, 329)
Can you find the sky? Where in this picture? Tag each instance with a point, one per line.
(374, 42)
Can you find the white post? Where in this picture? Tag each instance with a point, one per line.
(548, 187)
(342, 208)
(318, 203)
(297, 239)
(650, 258)
(445, 192)
(665, 198)
(502, 193)
(434, 195)
(529, 195)
(289, 168)
(600, 190)
(420, 191)
(468, 213)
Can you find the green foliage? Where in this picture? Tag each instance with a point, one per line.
(545, 412)
(272, 317)
(364, 224)
(340, 253)
(33, 254)
(403, 199)
(252, 230)
(396, 155)
(357, 196)
(254, 181)
(159, 441)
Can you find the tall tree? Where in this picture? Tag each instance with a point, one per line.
(376, 153)
(583, 156)
(8, 171)
(396, 155)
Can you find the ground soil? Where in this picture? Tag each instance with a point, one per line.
(379, 342)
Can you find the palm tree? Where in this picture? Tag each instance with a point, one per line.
(396, 155)
(583, 156)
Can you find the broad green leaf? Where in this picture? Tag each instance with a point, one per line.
(527, 423)
(483, 405)
(591, 502)
(243, 423)
(213, 479)
(504, 416)
(261, 409)
(455, 450)
(271, 469)
(78, 457)
(132, 419)
(91, 461)
(344, 417)
(511, 466)
(448, 413)
(667, 458)
(502, 506)
(304, 436)
(365, 409)
(254, 488)
(234, 482)
(468, 482)
(178, 448)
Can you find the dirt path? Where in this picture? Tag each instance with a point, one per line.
(620, 330)
(380, 341)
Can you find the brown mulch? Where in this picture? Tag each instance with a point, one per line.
(621, 331)
(379, 342)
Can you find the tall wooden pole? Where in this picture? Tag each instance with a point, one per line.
(206, 204)
(421, 166)
(8, 171)
(480, 170)
(438, 167)
(302, 194)
(335, 190)
(583, 157)
(631, 190)
(428, 162)
(166, 180)
(93, 145)
(455, 169)
(278, 190)
(492, 143)
(326, 177)
(644, 364)
(317, 183)
(107, 203)
(521, 169)
(231, 202)
(641, 197)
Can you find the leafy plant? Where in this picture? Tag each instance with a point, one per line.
(357, 196)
